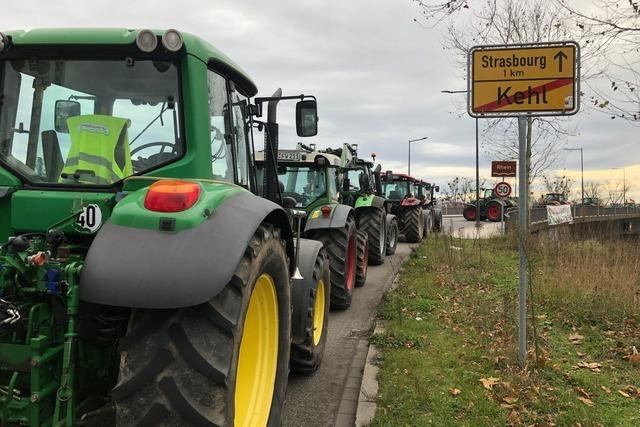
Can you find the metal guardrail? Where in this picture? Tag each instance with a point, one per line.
(539, 215)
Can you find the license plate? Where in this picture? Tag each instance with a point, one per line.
(290, 156)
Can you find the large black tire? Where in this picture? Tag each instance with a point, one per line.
(469, 213)
(306, 354)
(413, 224)
(494, 211)
(437, 221)
(392, 237)
(178, 367)
(372, 223)
(363, 258)
(341, 243)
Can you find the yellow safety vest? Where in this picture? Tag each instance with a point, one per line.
(99, 152)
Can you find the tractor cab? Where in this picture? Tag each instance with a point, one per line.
(399, 186)
(305, 177)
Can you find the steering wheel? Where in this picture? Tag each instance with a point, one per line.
(299, 198)
(162, 144)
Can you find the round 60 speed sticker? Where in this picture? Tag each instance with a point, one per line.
(90, 218)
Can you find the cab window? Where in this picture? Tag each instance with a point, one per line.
(220, 128)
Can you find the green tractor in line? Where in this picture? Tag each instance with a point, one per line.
(414, 220)
(142, 280)
(307, 183)
(492, 207)
(360, 187)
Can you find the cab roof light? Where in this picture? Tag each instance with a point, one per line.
(172, 195)
(172, 40)
(146, 41)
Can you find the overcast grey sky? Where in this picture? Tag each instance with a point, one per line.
(377, 74)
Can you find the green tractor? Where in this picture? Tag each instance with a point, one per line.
(492, 207)
(361, 188)
(142, 280)
(307, 182)
(414, 221)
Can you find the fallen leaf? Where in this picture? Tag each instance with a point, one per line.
(624, 393)
(584, 393)
(575, 338)
(510, 400)
(586, 401)
(489, 383)
(631, 390)
(593, 366)
(606, 389)
(454, 391)
(634, 357)
(581, 354)
(513, 418)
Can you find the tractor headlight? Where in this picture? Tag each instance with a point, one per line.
(3, 42)
(172, 40)
(146, 41)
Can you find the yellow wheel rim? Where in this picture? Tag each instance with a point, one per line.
(258, 361)
(318, 313)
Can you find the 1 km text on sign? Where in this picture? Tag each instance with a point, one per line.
(511, 80)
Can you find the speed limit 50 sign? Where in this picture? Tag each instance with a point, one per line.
(502, 189)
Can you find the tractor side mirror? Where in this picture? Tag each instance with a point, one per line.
(63, 110)
(378, 168)
(307, 118)
(389, 175)
(437, 188)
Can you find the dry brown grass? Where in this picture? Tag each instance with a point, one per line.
(597, 277)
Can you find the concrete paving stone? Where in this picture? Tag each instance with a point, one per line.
(348, 406)
(353, 382)
(351, 393)
(344, 420)
(366, 413)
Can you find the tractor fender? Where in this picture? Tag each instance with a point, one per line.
(300, 288)
(142, 268)
(369, 201)
(338, 218)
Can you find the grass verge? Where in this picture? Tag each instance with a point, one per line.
(448, 355)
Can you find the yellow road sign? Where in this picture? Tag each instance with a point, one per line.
(539, 79)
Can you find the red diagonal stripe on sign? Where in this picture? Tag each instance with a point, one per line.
(554, 84)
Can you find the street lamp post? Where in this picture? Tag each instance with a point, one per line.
(409, 160)
(477, 162)
(624, 186)
(581, 167)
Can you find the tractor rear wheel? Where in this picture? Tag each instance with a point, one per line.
(363, 258)
(469, 213)
(223, 362)
(413, 224)
(494, 211)
(392, 237)
(307, 355)
(341, 244)
(372, 222)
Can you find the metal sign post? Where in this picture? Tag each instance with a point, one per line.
(523, 80)
(523, 231)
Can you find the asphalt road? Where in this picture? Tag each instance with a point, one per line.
(314, 400)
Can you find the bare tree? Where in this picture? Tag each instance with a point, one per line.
(507, 22)
(558, 184)
(593, 189)
(616, 25)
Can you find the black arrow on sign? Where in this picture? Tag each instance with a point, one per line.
(560, 56)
